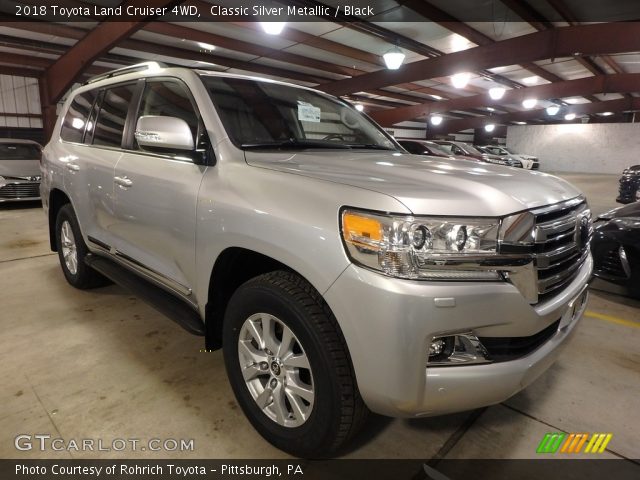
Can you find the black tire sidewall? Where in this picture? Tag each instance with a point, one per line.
(317, 433)
(81, 277)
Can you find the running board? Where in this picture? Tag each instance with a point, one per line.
(161, 300)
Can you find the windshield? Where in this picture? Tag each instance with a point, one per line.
(496, 150)
(19, 151)
(260, 114)
(472, 149)
(434, 147)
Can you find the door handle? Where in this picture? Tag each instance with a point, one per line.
(124, 182)
(72, 167)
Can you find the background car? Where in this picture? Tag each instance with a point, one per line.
(462, 149)
(424, 147)
(616, 250)
(511, 160)
(528, 161)
(19, 170)
(629, 185)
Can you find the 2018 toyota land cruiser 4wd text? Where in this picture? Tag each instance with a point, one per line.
(338, 274)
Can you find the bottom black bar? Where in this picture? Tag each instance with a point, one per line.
(565, 469)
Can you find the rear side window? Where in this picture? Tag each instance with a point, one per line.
(113, 115)
(75, 120)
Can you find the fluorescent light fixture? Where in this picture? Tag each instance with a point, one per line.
(496, 93)
(393, 58)
(530, 80)
(606, 114)
(460, 80)
(359, 107)
(570, 116)
(206, 46)
(490, 127)
(437, 97)
(436, 120)
(273, 28)
(491, 109)
(553, 110)
(529, 103)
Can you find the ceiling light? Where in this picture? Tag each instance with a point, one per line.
(520, 123)
(553, 110)
(606, 114)
(570, 116)
(491, 109)
(436, 120)
(496, 93)
(393, 58)
(273, 28)
(490, 127)
(359, 107)
(437, 97)
(529, 103)
(572, 100)
(460, 80)
(206, 46)
(530, 80)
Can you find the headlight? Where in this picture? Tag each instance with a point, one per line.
(423, 247)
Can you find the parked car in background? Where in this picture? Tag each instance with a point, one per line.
(528, 161)
(424, 147)
(629, 185)
(616, 250)
(462, 149)
(19, 170)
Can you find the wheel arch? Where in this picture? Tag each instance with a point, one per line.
(57, 200)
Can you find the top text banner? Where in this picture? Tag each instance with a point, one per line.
(305, 11)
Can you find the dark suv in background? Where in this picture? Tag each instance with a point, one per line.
(629, 185)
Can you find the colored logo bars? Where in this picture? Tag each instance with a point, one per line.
(574, 443)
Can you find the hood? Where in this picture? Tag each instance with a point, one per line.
(631, 210)
(19, 168)
(426, 185)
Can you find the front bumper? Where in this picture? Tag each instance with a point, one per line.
(389, 323)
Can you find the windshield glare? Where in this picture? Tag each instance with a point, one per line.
(19, 151)
(263, 114)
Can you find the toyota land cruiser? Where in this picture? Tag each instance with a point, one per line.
(338, 274)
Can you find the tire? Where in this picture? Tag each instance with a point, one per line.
(72, 251)
(306, 425)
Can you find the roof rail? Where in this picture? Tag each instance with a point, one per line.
(139, 67)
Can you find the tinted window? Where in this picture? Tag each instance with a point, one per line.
(76, 118)
(168, 99)
(413, 147)
(19, 151)
(113, 114)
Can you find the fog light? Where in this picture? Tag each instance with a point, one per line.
(436, 347)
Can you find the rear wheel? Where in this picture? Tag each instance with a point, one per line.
(72, 251)
(289, 366)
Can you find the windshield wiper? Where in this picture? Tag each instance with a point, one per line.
(370, 146)
(293, 145)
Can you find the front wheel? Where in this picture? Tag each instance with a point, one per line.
(289, 366)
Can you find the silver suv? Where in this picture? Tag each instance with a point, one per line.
(338, 274)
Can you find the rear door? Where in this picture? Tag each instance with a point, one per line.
(157, 191)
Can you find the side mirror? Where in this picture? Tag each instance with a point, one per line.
(164, 132)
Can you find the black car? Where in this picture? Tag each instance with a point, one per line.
(616, 250)
(629, 185)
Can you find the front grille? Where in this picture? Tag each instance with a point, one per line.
(503, 349)
(610, 264)
(562, 234)
(20, 190)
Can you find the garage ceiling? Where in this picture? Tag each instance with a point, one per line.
(535, 48)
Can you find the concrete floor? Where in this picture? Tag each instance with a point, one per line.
(103, 365)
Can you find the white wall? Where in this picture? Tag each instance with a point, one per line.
(579, 147)
(19, 95)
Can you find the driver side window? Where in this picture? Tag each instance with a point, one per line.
(170, 99)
